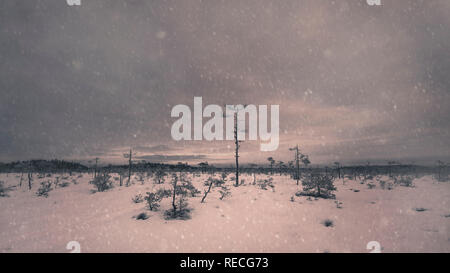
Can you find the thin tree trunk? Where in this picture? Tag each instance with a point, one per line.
(206, 192)
(173, 198)
(236, 142)
(29, 181)
(21, 176)
(129, 170)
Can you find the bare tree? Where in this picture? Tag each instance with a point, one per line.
(130, 162)
(30, 175)
(237, 145)
(237, 141)
(338, 168)
(299, 157)
(297, 163)
(21, 177)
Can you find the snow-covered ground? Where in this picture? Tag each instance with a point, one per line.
(250, 220)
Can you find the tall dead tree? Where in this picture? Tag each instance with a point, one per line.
(129, 156)
(236, 139)
(237, 145)
(299, 157)
(30, 175)
(297, 162)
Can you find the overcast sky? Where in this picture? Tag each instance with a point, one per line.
(354, 82)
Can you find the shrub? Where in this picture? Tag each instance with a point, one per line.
(224, 192)
(138, 198)
(159, 176)
(141, 178)
(181, 188)
(64, 184)
(3, 190)
(318, 185)
(370, 186)
(328, 223)
(190, 188)
(142, 216)
(154, 198)
(182, 212)
(209, 183)
(102, 182)
(264, 183)
(44, 189)
(405, 181)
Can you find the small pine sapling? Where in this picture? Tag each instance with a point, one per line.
(44, 189)
(318, 185)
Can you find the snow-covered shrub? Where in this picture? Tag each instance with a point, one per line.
(3, 190)
(142, 216)
(64, 184)
(44, 189)
(318, 185)
(224, 192)
(154, 198)
(159, 176)
(102, 182)
(181, 188)
(140, 178)
(138, 198)
(212, 182)
(187, 184)
(182, 211)
(209, 183)
(265, 183)
(382, 184)
(406, 181)
(385, 185)
(328, 223)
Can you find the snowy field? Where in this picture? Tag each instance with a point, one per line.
(404, 219)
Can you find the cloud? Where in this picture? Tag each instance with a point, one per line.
(97, 79)
(171, 158)
(154, 148)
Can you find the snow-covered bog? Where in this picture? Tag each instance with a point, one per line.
(250, 220)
